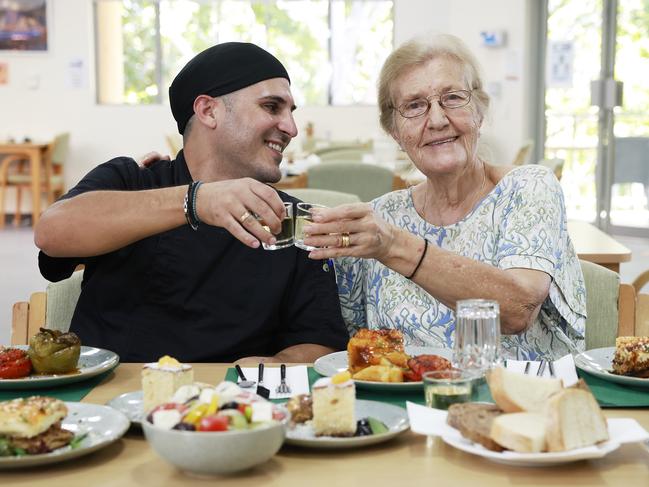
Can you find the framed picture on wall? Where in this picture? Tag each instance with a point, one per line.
(23, 25)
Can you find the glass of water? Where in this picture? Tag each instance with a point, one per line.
(285, 236)
(477, 335)
(302, 218)
(445, 387)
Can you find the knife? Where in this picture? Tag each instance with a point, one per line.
(261, 390)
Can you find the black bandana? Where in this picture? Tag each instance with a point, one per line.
(220, 70)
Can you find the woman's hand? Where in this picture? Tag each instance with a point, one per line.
(150, 157)
(349, 230)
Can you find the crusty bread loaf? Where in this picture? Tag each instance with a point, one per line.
(514, 392)
(574, 420)
(474, 420)
(520, 432)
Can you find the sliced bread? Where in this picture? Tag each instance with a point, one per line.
(514, 392)
(473, 420)
(575, 420)
(520, 432)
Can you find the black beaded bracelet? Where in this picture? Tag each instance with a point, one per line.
(421, 259)
(197, 185)
(189, 206)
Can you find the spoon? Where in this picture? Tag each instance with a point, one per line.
(244, 383)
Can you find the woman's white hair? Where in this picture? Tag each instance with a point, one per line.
(417, 52)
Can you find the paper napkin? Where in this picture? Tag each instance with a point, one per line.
(564, 368)
(297, 379)
(432, 422)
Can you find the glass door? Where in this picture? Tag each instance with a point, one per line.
(601, 137)
(629, 212)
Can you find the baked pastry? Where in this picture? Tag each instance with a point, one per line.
(514, 392)
(473, 420)
(380, 373)
(31, 416)
(631, 356)
(334, 401)
(574, 420)
(33, 424)
(376, 347)
(161, 379)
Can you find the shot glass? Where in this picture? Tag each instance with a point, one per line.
(445, 387)
(477, 335)
(302, 218)
(285, 236)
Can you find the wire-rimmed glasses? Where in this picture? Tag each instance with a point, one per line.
(420, 106)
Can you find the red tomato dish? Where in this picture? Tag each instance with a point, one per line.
(14, 363)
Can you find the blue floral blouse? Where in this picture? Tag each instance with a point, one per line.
(521, 223)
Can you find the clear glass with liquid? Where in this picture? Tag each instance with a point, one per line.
(303, 218)
(445, 387)
(285, 237)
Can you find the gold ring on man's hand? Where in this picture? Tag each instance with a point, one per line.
(245, 216)
(344, 240)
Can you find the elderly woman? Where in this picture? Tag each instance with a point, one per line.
(470, 230)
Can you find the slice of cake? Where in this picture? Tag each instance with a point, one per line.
(161, 379)
(631, 356)
(333, 406)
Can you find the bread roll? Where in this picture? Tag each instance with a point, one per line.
(514, 392)
(520, 432)
(574, 420)
(473, 420)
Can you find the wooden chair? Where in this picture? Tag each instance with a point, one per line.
(523, 153)
(175, 143)
(52, 308)
(14, 172)
(610, 306)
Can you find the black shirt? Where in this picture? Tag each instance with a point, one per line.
(200, 296)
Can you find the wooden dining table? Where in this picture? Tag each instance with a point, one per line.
(407, 460)
(38, 155)
(594, 245)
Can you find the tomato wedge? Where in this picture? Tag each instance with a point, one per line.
(14, 363)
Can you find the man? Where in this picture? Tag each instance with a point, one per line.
(173, 262)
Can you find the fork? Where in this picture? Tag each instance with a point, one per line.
(542, 366)
(283, 387)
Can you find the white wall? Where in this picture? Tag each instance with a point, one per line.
(38, 102)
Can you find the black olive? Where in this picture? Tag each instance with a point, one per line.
(185, 427)
(363, 428)
(229, 405)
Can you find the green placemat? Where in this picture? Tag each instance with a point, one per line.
(608, 394)
(613, 395)
(69, 392)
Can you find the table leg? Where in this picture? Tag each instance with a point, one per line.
(35, 162)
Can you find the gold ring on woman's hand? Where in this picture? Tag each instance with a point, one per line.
(344, 240)
(244, 217)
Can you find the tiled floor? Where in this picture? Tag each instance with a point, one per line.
(19, 275)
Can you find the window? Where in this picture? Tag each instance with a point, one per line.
(332, 49)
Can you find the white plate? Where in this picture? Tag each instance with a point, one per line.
(599, 363)
(102, 424)
(92, 361)
(394, 417)
(531, 459)
(129, 403)
(333, 363)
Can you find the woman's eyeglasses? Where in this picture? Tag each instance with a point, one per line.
(421, 106)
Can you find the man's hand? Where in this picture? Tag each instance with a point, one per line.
(243, 207)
